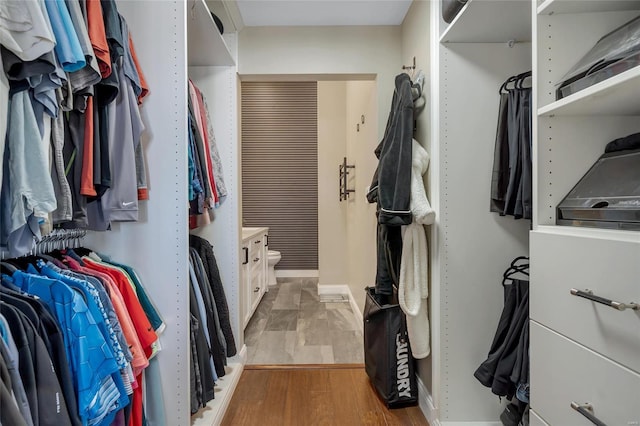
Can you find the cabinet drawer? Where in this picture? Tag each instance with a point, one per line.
(610, 269)
(563, 372)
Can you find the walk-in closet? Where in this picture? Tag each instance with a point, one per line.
(525, 145)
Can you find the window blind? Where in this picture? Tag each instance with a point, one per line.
(280, 167)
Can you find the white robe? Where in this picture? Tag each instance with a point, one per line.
(413, 288)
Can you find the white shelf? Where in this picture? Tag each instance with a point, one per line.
(215, 410)
(490, 21)
(550, 7)
(206, 47)
(619, 95)
(578, 231)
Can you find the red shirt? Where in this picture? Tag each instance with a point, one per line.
(144, 330)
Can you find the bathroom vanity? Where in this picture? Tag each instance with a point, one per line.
(253, 270)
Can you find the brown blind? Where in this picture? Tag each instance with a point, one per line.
(280, 167)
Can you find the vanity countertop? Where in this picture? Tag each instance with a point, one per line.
(250, 232)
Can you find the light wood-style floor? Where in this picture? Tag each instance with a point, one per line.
(334, 395)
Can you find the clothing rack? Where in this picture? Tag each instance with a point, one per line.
(343, 176)
(61, 238)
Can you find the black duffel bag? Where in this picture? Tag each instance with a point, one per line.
(387, 352)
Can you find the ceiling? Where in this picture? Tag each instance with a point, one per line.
(255, 13)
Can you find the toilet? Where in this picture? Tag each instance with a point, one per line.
(273, 259)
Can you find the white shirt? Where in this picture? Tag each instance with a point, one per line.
(24, 29)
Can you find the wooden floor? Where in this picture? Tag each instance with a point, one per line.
(312, 395)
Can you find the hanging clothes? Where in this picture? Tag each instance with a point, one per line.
(212, 339)
(391, 185)
(413, 285)
(206, 181)
(88, 323)
(75, 86)
(511, 181)
(506, 369)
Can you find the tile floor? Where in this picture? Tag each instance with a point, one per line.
(292, 326)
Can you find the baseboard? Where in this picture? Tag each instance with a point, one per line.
(425, 402)
(297, 273)
(356, 310)
(342, 289)
(241, 356)
(215, 410)
(470, 424)
(345, 290)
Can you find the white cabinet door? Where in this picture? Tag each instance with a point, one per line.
(563, 372)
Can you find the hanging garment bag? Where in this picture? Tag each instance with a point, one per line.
(387, 353)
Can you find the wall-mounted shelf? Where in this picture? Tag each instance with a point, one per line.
(490, 21)
(619, 95)
(206, 47)
(551, 7)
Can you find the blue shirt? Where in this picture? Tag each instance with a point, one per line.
(68, 49)
(91, 360)
(102, 321)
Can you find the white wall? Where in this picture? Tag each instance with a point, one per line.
(415, 43)
(361, 216)
(332, 148)
(347, 229)
(325, 51)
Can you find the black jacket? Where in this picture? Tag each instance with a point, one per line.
(205, 250)
(391, 183)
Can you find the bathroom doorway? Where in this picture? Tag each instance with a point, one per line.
(313, 313)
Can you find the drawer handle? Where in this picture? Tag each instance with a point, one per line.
(587, 411)
(246, 255)
(588, 294)
(256, 259)
(257, 241)
(257, 289)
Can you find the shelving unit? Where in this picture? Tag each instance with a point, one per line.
(569, 135)
(616, 96)
(490, 21)
(211, 66)
(176, 40)
(471, 58)
(206, 47)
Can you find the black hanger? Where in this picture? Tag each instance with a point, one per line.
(7, 268)
(506, 82)
(520, 78)
(516, 267)
(23, 262)
(82, 251)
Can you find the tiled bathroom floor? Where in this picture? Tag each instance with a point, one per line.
(292, 326)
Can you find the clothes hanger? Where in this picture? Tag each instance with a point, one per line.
(520, 78)
(504, 88)
(516, 268)
(418, 84)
